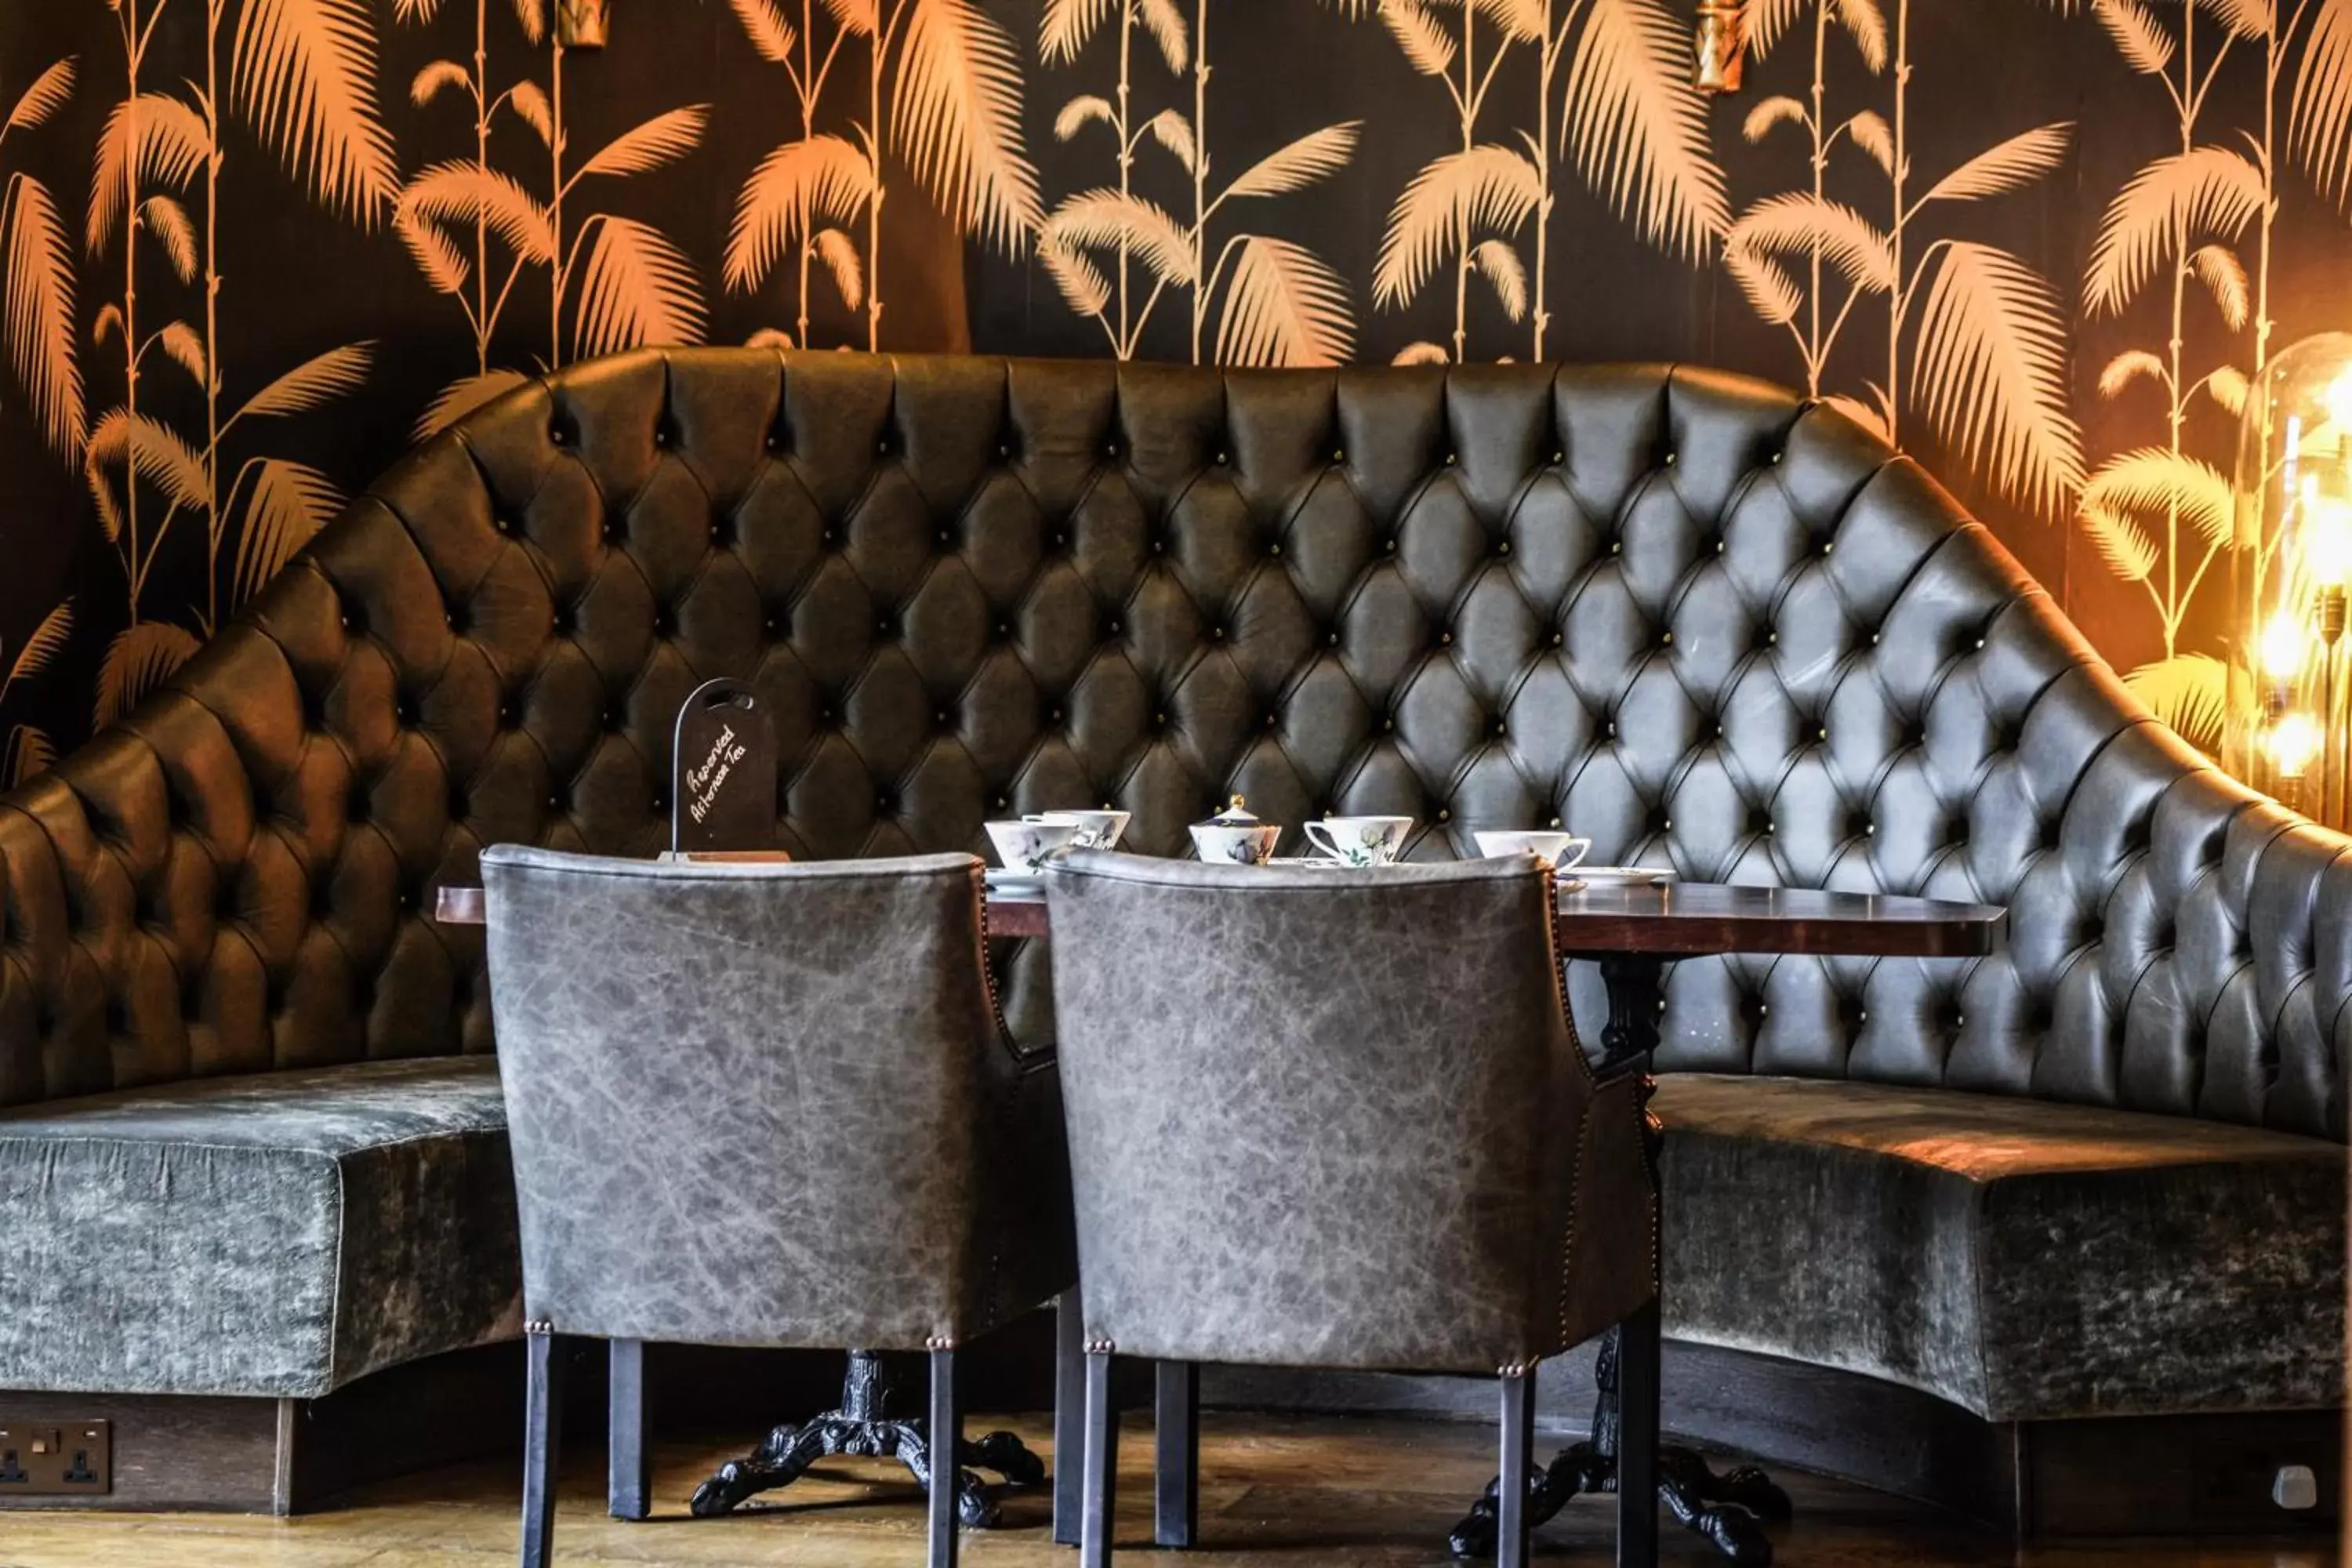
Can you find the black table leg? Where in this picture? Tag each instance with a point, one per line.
(862, 1429)
(1726, 1509)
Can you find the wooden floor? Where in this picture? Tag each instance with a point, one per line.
(1327, 1491)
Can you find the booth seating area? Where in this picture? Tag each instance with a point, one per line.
(2082, 1190)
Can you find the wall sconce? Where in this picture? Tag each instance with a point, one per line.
(581, 24)
(1722, 46)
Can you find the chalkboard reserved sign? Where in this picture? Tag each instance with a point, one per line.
(724, 794)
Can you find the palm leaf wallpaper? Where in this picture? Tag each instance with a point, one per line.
(249, 249)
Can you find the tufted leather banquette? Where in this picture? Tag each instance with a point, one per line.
(1712, 626)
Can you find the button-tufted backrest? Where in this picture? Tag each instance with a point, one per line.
(1712, 626)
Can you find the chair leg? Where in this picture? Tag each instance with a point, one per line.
(628, 1466)
(1176, 1453)
(946, 1436)
(1511, 1482)
(1638, 1381)
(542, 1435)
(1099, 1510)
(1069, 1414)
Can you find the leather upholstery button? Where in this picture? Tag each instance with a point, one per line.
(1217, 634)
(1452, 458)
(1004, 450)
(1445, 639)
(1333, 640)
(882, 447)
(1339, 455)
(1225, 459)
(1391, 547)
(1445, 816)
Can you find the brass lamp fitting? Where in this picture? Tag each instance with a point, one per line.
(581, 24)
(1722, 46)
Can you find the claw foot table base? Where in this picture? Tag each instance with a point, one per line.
(860, 1430)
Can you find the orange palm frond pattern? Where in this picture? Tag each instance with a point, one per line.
(2061, 306)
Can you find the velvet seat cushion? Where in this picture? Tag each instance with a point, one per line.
(2022, 1259)
(277, 1235)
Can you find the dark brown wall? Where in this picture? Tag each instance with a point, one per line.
(2011, 312)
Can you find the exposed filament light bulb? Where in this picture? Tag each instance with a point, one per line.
(2284, 643)
(2293, 743)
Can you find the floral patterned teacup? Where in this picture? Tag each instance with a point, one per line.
(1097, 829)
(1360, 840)
(1563, 851)
(1236, 844)
(1025, 846)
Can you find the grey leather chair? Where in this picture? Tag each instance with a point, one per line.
(1339, 1120)
(765, 1104)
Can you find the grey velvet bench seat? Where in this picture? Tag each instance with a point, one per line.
(214, 1255)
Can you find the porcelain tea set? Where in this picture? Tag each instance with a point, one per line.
(1235, 836)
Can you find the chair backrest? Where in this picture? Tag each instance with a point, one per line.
(746, 1099)
(1326, 1120)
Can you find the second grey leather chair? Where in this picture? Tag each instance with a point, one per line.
(767, 1104)
(1338, 1119)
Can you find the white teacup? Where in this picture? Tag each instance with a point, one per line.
(1024, 846)
(1242, 845)
(1097, 829)
(1564, 851)
(1360, 840)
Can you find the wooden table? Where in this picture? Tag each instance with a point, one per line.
(1632, 933)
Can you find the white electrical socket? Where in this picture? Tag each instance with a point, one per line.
(2296, 1488)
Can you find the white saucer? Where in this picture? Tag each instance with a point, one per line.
(1000, 881)
(1622, 875)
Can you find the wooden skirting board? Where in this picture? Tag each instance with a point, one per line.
(2187, 1475)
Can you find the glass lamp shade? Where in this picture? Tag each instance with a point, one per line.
(2288, 726)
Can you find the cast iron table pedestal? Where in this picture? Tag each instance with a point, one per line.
(863, 1429)
(1724, 1508)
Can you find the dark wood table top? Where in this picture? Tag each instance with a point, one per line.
(1678, 919)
